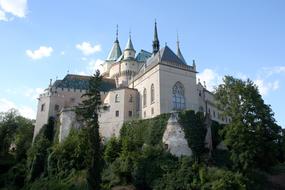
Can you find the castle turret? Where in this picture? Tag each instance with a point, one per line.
(155, 42)
(129, 52)
(115, 52)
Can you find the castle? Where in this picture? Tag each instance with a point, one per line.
(135, 86)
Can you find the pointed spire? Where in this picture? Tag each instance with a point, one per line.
(116, 51)
(117, 32)
(179, 54)
(155, 43)
(129, 45)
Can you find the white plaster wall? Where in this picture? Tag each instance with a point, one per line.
(168, 77)
(110, 124)
(145, 82)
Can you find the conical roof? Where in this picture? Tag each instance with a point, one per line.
(129, 45)
(115, 52)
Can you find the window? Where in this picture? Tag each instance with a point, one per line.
(214, 113)
(117, 98)
(152, 93)
(56, 107)
(144, 114)
(178, 99)
(117, 113)
(152, 111)
(131, 98)
(72, 100)
(201, 109)
(144, 97)
(130, 113)
(43, 107)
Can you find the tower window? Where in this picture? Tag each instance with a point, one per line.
(130, 113)
(144, 98)
(131, 98)
(43, 107)
(56, 108)
(152, 111)
(117, 98)
(152, 93)
(117, 113)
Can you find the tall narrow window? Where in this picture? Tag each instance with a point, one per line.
(144, 97)
(152, 93)
(117, 98)
(43, 107)
(131, 98)
(178, 98)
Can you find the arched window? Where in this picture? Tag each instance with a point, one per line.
(130, 98)
(152, 93)
(178, 98)
(117, 98)
(144, 97)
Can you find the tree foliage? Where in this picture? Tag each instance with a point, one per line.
(252, 133)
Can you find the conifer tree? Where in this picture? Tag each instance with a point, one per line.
(88, 110)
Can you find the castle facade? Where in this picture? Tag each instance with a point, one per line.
(136, 85)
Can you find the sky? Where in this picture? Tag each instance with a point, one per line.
(46, 39)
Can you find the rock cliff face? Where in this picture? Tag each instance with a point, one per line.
(174, 138)
(67, 120)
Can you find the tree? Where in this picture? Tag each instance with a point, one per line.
(88, 110)
(252, 133)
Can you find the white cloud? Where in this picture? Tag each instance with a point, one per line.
(3, 16)
(43, 51)
(212, 78)
(269, 71)
(87, 49)
(33, 93)
(265, 87)
(93, 65)
(25, 111)
(62, 53)
(16, 8)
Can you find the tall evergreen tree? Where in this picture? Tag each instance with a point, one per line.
(252, 133)
(88, 110)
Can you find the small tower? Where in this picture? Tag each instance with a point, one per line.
(116, 51)
(155, 42)
(178, 53)
(129, 52)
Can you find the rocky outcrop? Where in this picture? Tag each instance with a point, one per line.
(174, 138)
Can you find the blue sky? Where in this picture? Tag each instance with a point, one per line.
(42, 40)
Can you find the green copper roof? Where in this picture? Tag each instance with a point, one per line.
(129, 45)
(82, 82)
(143, 56)
(115, 52)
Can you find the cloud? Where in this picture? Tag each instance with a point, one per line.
(265, 87)
(16, 8)
(87, 49)
(25, 111)
(269, 71)
(92, 66)
(43, 51)
(33, 93)
(3, 16)
(211, 77)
